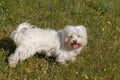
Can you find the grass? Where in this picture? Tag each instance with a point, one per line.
(99, 60)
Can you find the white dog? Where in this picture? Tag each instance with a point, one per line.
(64, 44)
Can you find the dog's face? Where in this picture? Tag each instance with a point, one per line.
(75, 36)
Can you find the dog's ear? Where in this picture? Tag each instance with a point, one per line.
(66, 28)
(60, 33)
(81, 27)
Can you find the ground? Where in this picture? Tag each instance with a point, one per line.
(99, 60)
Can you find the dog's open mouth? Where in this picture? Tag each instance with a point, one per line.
(75, 46)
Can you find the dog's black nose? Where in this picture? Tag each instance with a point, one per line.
(74, 41)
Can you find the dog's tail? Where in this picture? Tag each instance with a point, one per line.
(21, 28)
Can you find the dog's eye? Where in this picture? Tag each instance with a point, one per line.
(70, 36)
(79, 36)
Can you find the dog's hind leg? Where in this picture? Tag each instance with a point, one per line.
(21, 53)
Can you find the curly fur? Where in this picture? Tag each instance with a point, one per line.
(64, 44)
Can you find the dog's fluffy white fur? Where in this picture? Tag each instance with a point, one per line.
(64, 44)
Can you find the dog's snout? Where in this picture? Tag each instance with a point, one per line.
(74, 41)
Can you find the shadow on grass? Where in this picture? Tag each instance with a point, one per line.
(50, 59)
(8, 45)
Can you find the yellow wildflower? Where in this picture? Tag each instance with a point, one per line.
(86, 77)
(108, 22)
(101, 78)
(103, 29)
(98, 13)
(95, 79)
(105, 69)
(102, 16)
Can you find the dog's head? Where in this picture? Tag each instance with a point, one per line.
(75, 36)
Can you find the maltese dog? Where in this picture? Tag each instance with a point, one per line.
(64, 44)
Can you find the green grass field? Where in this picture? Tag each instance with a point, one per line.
(99, 60)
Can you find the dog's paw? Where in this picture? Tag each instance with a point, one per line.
(60, 61)
(73, 59)
(11, 62)
(12, 65)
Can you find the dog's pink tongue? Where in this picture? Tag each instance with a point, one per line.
(75, 46)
